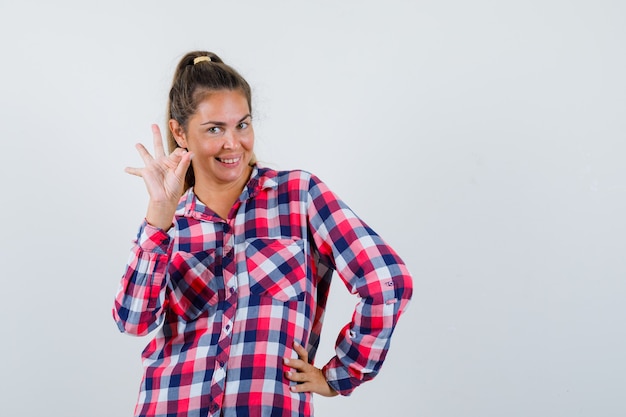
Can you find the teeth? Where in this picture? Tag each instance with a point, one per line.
(228, 161)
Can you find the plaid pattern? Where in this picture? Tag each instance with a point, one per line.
(231, 296)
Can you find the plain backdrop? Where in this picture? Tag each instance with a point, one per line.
(484, 140)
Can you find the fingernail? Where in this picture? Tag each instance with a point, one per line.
(296, 343)
(286, 361)
(288, 374)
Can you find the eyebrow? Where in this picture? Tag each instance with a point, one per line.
(210, 122)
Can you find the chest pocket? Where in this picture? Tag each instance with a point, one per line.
(276, 267)
(194, 283)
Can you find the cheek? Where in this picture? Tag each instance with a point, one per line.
(250, 144)
(209, 147)
(247, 141)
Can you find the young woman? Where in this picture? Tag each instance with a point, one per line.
(233, 264)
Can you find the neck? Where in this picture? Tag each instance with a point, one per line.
(220, 197)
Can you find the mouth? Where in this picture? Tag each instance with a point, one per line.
(228, 161)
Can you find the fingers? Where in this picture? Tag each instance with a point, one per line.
(303, 387)
(183, 165)
(157, 139)
(159, 150)
(308, 377)
(304, 372)
(300, 365)
(133, 171)
(301, 351)
(177, 159)
(143, 152)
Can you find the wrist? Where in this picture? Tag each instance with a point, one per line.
(160, 215)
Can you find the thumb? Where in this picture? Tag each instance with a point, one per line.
(183, 165)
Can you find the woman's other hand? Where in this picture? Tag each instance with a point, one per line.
(308, 377)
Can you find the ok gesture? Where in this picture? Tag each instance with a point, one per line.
(164, 177)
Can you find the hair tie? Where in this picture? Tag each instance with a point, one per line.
(201, 58)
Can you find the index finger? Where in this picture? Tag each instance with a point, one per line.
(301, 351)
(297, 364)
(159, 150)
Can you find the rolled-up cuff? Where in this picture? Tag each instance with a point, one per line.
(152, 239)
(339, 377)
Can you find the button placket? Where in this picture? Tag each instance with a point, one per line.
(228, 256)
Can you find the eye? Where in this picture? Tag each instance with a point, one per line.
(243, 125)
(214, 130)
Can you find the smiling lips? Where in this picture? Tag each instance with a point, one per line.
(228, 160)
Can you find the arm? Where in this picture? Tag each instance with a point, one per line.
(140, 300)
(371, 270)
(139, 303)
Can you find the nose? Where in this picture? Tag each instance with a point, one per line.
(230, 142)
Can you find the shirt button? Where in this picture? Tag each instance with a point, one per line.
(232, 290)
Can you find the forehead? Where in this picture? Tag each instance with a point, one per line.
(222, 103)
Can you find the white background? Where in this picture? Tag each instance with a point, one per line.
(484, 140)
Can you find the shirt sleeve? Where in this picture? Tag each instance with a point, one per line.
(370, 269)
(139, 303)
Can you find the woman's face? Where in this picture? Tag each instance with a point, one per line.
(221, 138)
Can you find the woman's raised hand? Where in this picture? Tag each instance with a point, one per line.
(164, 176)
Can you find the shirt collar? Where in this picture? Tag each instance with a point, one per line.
(260, 179)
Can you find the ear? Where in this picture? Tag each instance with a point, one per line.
(178, 132)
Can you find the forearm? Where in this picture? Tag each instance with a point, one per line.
(363, 344)
(140, 299)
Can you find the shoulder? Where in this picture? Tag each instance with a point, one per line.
(294, 178)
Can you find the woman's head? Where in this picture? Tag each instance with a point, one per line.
(197, 76)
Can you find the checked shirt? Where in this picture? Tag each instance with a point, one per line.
(230, 296)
